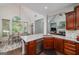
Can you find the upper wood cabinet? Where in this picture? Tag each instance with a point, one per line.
(70, 20)
(77, 17)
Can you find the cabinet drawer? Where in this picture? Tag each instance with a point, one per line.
(70, 45)
(70, 48)
(71, 42)
(69, 52)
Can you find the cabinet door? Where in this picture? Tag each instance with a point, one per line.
(55, 44)
(70, 20)
(31, 48)
(77, 48)
(48, 43)
(59, 45)
(77, 17)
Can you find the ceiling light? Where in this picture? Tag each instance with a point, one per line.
(45, 7)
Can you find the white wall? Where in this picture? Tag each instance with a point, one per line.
(32, 16)
(56, 19)
(26, 14)
(64, 10)
(72, 34)
(8, 12)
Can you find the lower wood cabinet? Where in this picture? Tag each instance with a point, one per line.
(66, 47)
(59, 45)
(70, 47)
(77, 48)
(31, 48)
(48, 43)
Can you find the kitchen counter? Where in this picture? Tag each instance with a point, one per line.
(38, 36)
(63, 37)
(5, 47)
(32, 37)
(8, 48)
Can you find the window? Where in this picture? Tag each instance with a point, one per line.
(5, 27)
(17, 26)
(25, 24)
(13, 26)
(39, 26)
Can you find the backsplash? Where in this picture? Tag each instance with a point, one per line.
(72, 34)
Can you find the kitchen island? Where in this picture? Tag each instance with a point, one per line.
(32, 43)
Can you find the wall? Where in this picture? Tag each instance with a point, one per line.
(32, 16)
(56, 19)
(26, 14)
(64, 10)
(72, 34)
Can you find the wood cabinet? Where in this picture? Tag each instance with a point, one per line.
(77, 48)
(48, 43)
(55, 44)
(77, 17)
(70, 20)
(69, 47)
(59, 45)
(31, 48)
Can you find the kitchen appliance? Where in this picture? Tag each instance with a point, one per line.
(39, 46)
(53, 30)
(61, 33)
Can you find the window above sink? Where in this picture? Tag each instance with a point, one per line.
(57, 22)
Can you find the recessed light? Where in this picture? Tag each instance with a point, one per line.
(45, 7)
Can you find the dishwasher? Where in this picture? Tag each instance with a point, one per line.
(39, 46)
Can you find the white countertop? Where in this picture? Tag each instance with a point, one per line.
(64, 37)
(38, 36)
(32, 37)
(7, 48)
